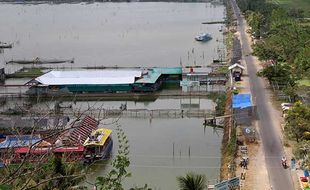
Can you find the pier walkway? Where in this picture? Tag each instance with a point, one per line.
(130, 113)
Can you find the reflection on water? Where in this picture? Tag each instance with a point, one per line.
(109, 34)
(129, 34)
(160, 103)
(151, 151)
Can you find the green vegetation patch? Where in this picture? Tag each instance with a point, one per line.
(304, 82)
(295, 4)
(27, 73)
(222, 69)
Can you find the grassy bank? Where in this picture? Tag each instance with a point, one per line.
(297, 4)
(26, 73)
(228, 143)
(229, 136)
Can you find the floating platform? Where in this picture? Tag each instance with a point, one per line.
(103, 81)
(5, 45)
(40, 61)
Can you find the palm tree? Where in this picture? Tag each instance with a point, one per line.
(192, 181)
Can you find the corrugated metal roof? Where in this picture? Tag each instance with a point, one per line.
(236, 65)
(241, 101)
(116, 76)
(168, 70)
(154, 73)
(19, 141)
(151, 77)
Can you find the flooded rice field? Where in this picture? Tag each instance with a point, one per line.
(128, 35)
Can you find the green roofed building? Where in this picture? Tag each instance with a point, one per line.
(103, 81)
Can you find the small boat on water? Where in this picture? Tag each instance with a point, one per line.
(5, 45)
(41, 61)
(98, 145)
(203, 37)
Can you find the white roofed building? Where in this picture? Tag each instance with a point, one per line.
(97, 81)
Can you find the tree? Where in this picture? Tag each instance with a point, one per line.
(192, 181)
(279, 72)
(255, 20)
(113, 180)
(43, 170)
(298, 121)
(302, 63)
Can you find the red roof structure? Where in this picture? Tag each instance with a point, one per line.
(47, 149)
(80, 133)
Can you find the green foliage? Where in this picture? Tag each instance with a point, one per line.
(255, 20)
(113, 180)
(192, 181)
(50, 174)
(302, 62)
(279, 17)
(296, 12)
(222, 69)
(291, 90)
(5, 187)
(298, 121)
(297, 5)
(58, 166)
(301, 149)
(145, 187)
(232, 145)
(279, 72)
(27, 73)
(220, 104)
(265, 50)
(286, 39)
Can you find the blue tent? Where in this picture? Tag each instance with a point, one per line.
(306, 173)
(241, 101)
(19, 141)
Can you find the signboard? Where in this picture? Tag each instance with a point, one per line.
(228, 184)
(221, 186)
(234, 182)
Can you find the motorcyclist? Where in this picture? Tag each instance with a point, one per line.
(284, 161)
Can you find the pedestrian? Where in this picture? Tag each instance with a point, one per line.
(245, 163)
(293, 162)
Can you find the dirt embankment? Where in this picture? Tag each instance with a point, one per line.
(228, 152)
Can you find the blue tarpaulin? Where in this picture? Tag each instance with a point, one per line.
(306, 173)
(241, 101)
(19, 141)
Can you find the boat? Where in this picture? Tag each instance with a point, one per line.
(203, 37)
(41, 61)
(5, 45)
(98, 145)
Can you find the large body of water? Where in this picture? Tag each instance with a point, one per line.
(109, 34)
(129, 34)
(196, 149)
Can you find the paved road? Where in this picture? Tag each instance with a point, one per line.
(280, 178)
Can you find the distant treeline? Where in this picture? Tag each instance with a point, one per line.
(91, 1)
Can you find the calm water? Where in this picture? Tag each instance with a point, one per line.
(109, 34)
(151, 151)
(129, 34)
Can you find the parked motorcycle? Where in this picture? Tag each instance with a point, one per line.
(283, 161)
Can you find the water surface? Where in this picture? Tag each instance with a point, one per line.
(196, 148)
(109, 34)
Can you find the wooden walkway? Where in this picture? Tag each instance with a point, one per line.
(111, 96)
(145, 113)
(130, 113)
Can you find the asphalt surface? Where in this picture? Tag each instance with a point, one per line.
(280, 178)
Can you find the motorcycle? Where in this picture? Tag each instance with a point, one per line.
(284, 164)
